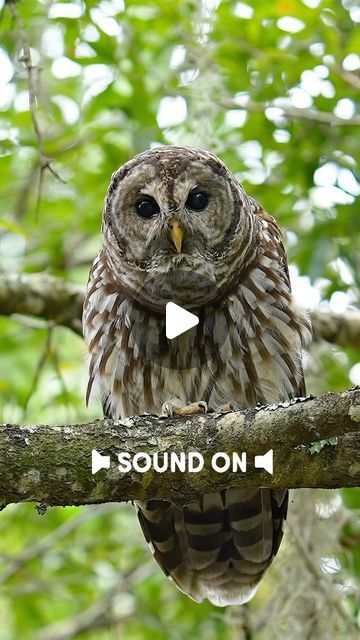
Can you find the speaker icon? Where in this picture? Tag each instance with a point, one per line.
(99, 462)
(265, 461)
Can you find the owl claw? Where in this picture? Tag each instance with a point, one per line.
(190, 409)
(166, 410)
(174, 407)
(229, 407)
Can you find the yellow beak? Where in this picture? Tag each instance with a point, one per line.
(176, 233)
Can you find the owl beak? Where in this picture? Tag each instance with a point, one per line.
(176, 232)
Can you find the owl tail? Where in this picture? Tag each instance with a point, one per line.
(219, 547)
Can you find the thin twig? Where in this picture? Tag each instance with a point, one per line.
(43, 161)
(99, 614)
(16, 563)
(349, 77)
(326, 585)
(40, 366)
(56, 365)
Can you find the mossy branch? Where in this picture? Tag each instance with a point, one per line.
(52, 464)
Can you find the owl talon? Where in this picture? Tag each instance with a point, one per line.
(167, 410)
(191, 409)
(229, 407)
(171, 408)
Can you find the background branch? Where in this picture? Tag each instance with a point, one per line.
(52, 465)
(338, 328)
(45, 296)
(313, 115)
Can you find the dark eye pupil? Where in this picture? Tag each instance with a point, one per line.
(197, 200)
(147, 207)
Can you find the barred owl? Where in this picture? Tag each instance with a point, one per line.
(169, 213)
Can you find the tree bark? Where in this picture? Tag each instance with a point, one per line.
(58, 301)
(52, 464)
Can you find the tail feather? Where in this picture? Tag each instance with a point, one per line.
(219, 547)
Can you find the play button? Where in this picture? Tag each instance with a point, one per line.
(178, 320)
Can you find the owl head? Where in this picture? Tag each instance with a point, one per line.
(173, 210)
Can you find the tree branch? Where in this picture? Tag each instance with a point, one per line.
(338, 328)
(44, 296)
(60, 302)
(323, 117)
(52, 464)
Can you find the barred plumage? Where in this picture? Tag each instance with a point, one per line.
(246, 348)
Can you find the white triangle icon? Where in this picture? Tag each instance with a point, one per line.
(178, 320)
(99, 462)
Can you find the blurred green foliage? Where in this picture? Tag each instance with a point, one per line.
(108, 80)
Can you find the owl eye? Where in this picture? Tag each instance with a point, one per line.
(147, 207)
(197, 200)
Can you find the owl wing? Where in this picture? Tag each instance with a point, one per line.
(274, 239)
(100, 328)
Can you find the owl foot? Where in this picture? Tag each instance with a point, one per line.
(228, 407)
(174, 407)
(190, 409)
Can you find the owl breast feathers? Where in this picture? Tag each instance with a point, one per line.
(170, 213)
